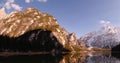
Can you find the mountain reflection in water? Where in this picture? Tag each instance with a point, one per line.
(82, 57)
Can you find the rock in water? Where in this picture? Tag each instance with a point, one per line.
(32, 30)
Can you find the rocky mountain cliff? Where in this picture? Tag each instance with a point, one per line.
(32, 30)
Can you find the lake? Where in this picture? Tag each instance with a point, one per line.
(81, 57)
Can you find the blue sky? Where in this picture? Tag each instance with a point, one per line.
(79, 16)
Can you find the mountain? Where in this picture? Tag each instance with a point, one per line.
(33, 30)
(106, 37)
(2, 14)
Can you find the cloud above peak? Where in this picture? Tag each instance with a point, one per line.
(42, 0)
(105, 23)
(10, 4)
(11, 1)
(27, 1)
(16, 7)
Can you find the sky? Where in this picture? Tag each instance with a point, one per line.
(78, 16)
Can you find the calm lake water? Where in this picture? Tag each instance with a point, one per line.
(82, 57)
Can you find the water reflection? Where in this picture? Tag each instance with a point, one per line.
(46, 58)
(91, 57)
(82, 57)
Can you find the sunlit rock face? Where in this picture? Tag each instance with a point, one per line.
(72, 39)
(2, 13)
(32, 30)
(18, 23)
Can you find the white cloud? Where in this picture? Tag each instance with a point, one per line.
(11, 5)
(27, 1)
(105, 22)
(102, 21)
(16, 7)
(42, 0)
(7, 5)
(11, 1)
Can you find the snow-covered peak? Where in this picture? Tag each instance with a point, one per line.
(108, 29)
(106, 37)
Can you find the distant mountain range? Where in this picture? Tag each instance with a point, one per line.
(106, 37)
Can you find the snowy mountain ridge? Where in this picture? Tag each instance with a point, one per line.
(106, 37)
